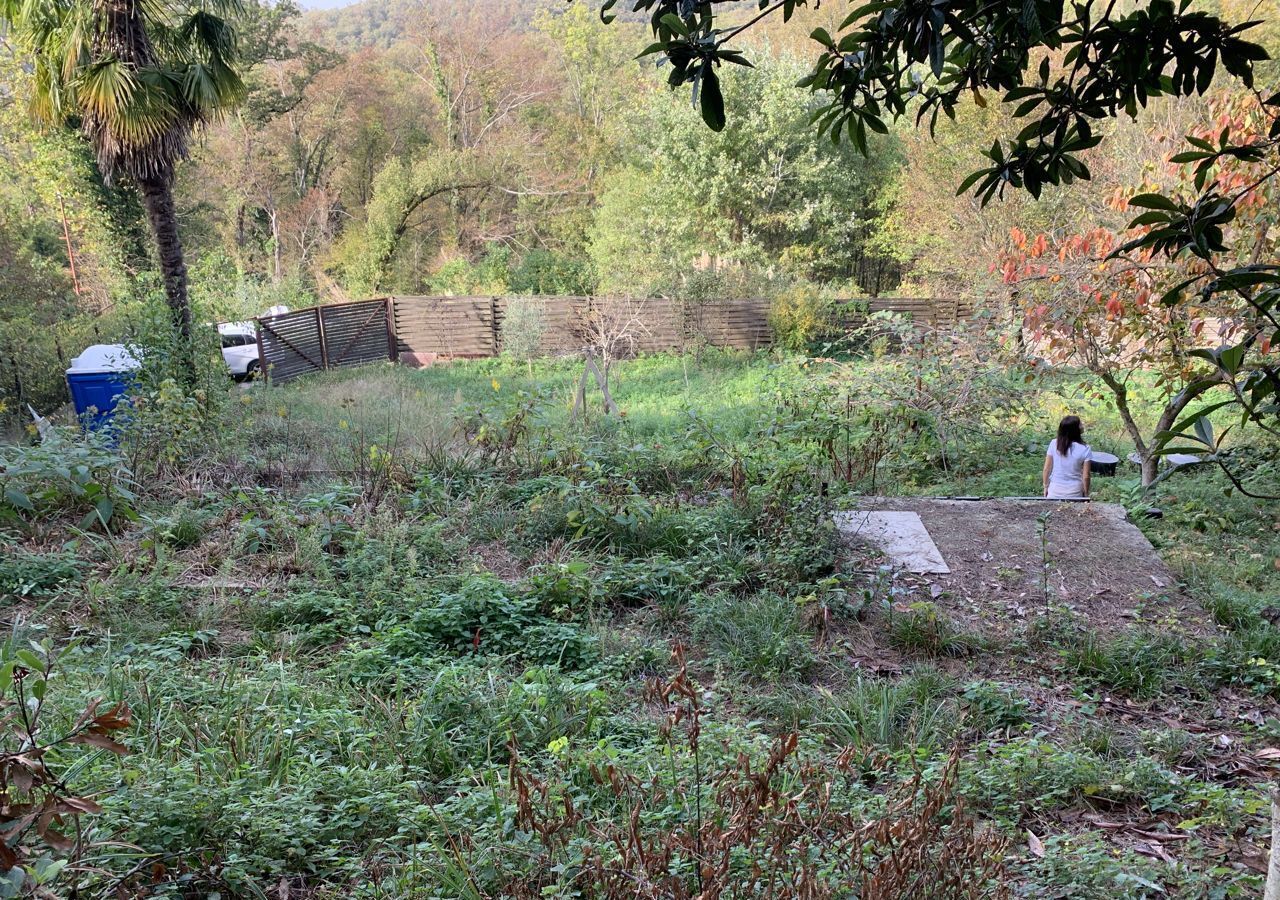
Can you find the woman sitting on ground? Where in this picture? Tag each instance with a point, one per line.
(1066, 463)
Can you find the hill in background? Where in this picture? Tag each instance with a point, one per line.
(382, 23)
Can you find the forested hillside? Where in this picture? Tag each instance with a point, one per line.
(424, 146)
(520, 146)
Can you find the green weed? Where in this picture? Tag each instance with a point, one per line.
(1029, 774)
(762, 636)
(916, 712)
(27, 574)
(1140, 664)
(925, 630)
(988, 706)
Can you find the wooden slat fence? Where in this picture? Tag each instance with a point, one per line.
(933, 311)
(420, 330)
(429, 328)
(453, 327)
(742, 325)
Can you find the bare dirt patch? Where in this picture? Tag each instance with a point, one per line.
(495, 557)
(1012, 560)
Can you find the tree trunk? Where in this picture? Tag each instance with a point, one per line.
(277, 271)
(157, 198)
(1120, 394)
(1150, 463)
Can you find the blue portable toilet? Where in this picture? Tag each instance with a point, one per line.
(97, 379)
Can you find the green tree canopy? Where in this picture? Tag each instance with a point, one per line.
(894, 57)
(759, 191)
(137, 77)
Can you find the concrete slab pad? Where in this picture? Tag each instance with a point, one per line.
(901, 535)
(1011, 560)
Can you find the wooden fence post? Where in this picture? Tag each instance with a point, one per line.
(494, 330)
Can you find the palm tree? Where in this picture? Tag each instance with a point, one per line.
(137, 76)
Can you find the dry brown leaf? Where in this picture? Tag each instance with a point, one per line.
(82, 804)
(1161, 835)
(1256, 861)
(1153, 848)
(99, 740)
(57, 840)
(1035, 845)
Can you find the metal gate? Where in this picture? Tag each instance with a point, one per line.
(326, 337)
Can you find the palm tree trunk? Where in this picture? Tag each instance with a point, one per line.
(157, 198)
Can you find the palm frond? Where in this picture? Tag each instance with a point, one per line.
(205, 89)
(139, 75)
(73, 36)
(208, 35)
(106, 88)
(46, 98)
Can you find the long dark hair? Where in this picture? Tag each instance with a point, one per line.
(1070, 431)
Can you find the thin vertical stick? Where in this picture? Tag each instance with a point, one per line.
(324, 344)
(262, 361)
(71, 253)
(393, 348)
(1272, 890)
(580, 396)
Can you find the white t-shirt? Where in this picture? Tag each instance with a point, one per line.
(1067, 477)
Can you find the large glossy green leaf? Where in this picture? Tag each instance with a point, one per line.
(711, 100)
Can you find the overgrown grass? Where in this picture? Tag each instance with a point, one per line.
(653, 393)
(396, 584)
(1139, 664)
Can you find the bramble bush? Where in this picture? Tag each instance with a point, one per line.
(65, 475)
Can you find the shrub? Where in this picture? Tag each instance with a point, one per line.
(546, 272)
(800, 541)
(460, 276)
(522, 330)
(168, 425)
(65, 474)
(25, 574)
(800, 317)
